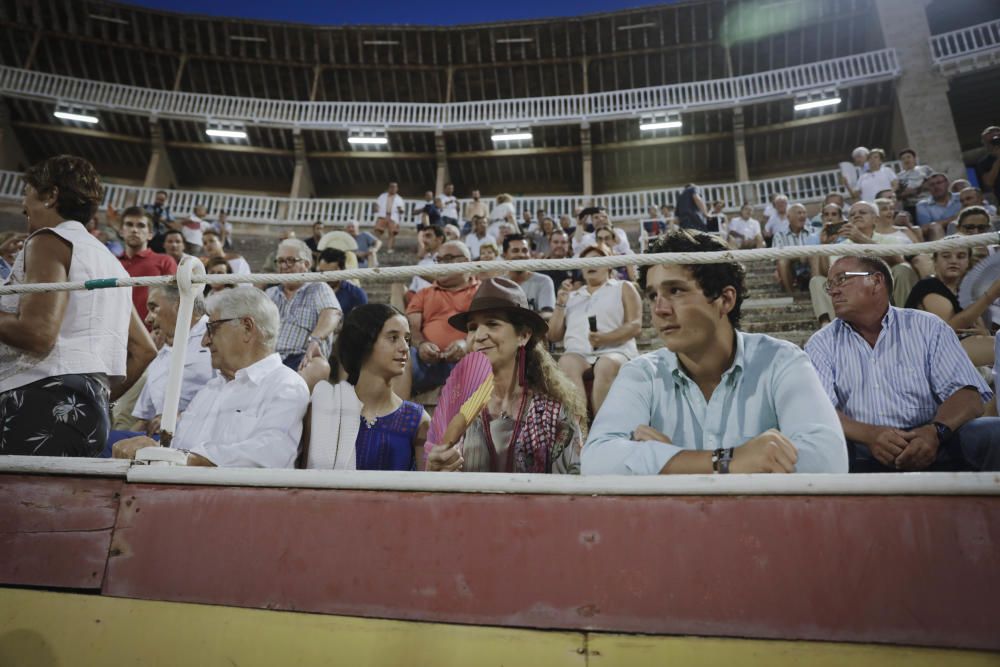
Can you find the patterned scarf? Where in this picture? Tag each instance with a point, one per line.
(538, 435)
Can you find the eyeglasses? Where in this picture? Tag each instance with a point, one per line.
(450, 259)
(843, 278)
(975, 228)
(287, 261)
(212, 326)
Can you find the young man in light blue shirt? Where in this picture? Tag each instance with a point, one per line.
(714, 399)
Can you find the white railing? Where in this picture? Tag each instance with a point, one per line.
(257, 209)
(851, 70)
(957, 44)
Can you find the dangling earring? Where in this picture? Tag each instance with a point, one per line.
(522, 364)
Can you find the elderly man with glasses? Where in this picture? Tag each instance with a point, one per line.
(250, 415)
(905, 391)
(437, 346)
(310, 312)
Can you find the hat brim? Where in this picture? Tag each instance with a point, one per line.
(537, 323)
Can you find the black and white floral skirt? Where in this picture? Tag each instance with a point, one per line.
(62, 415)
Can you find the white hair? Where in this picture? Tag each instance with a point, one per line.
(461, 247)
(174, 296)
(299, 246)
(252, 303)
(871, 207)
(802, 206)
(860, 150)
(781, 198)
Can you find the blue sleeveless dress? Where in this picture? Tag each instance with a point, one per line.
(388, 445)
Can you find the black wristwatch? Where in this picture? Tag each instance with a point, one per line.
(944, 432)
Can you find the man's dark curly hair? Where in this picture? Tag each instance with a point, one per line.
(712, 278)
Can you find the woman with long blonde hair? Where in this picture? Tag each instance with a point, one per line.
(535, 419)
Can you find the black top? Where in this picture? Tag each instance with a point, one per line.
(927, 286)
(687, 211)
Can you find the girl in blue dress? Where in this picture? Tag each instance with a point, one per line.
(372, 350)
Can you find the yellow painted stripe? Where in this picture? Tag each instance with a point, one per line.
(607, 650)
(43, 628)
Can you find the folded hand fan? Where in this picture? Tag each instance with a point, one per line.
(467, 390)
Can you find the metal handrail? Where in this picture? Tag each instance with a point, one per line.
(259, 209)
(857, 69)
(965, 41)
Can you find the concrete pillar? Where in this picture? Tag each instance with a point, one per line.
(12, 157)
(302, 182)
(921, 93)
(441, 157)
(740, 157)
(587, 159)
(159, 172)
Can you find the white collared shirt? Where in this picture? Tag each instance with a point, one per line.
(393, 210)
(252, 421)
(197, 372)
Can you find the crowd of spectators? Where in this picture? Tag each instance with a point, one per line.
(563, 344)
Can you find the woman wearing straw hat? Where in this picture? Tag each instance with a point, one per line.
(533, 422)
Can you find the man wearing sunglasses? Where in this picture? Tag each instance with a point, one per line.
(905, 391)
(976, 220)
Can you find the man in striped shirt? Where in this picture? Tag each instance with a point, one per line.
(906, 393)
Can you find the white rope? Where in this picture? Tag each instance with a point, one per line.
(431, 271)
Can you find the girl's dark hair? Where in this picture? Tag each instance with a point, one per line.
(80, 189)
(712, 278)
(357, 338)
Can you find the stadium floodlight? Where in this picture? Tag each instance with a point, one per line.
(247, 38)
(515, 40)
(380, 42)
(817, 99)
(501, 137)
(108, 19)
(636, 26)
(226, 130)
(667, 121)
(74, 113)
(367, 137)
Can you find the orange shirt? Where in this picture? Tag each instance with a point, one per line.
(436, 305)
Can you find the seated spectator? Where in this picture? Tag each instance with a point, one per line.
(566, 224)
(161, 219)
(537, 287)
(597, 324)
(534, 421)
(138, 260)
(690, 210)
(988, 167)
(212, 246)
(540, 236)
(193, 227)
(938, 209)
(429, 241)
(958, 185)
(360, 423)
(475, 207)
(309, 312)
(887, 231)
(906, 393)
(314, 238)
(911, 179)
(224, 229)
(777, 222)
(389, 210)
(793, 273)
(173, 246)
(652, 225)
(860, 228)
(583, 240)
(61, 351)
(878, 177)
(816, 223)
(368, 246)
(10, 244)
(270, 265)
(743, 231)
(502, 212)
(969, 197)
(430, 212)
(163, 302)
(527, 224)
(349, 295)
(667, 213)
(975, 220)
(850, 172)
(938, 294)
(250, 415)
(558, 249)
(607, 239)
(437, 346)
(714, 399)
(452, 233)
(478, 236)
(716, 220)
(218, 266)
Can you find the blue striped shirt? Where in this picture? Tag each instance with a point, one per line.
(771, 384)
(917, 363)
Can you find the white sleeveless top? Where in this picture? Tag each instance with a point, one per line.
(94, 332)
(606, 304)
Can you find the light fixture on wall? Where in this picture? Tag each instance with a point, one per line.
(226, 131)
(817, 99)
(367, 138)
(76, 114)
(511, 137)
(670, 120)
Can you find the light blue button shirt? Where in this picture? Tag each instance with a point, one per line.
(771, 384)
